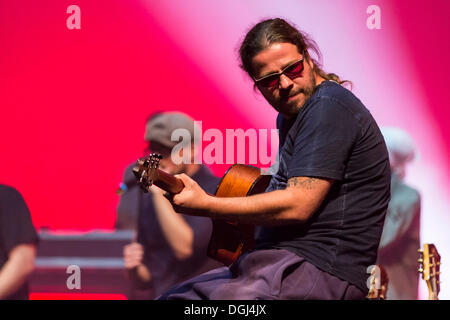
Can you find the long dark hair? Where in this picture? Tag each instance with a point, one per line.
(277, 30)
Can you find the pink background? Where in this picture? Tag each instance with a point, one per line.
(74, 102)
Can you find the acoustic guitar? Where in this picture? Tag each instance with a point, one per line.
(430, 261)
(228, 239)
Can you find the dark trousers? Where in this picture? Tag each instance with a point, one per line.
(267, 275)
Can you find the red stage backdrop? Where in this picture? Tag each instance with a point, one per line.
(74, 101)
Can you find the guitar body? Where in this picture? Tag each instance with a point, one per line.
(229, 239)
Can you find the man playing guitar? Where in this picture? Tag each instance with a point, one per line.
(320, 220)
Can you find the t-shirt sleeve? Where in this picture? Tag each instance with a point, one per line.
(16, 226)
(324, 140)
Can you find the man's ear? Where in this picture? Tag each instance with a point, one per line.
(310, 62)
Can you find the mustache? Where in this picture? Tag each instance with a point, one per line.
(284, 95)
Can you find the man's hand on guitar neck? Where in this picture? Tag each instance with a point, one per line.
(193, 199)
(295, 204)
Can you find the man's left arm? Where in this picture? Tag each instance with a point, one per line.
(295, 204)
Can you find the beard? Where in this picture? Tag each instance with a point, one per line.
(292, 107)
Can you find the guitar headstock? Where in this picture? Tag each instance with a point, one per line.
(430, 262)
(146, 170)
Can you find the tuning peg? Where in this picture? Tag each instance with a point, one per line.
(420, 270)
(420, 260)
(419, 250)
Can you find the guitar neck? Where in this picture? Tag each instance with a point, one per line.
(430, 261)
(433, 296)
(168, 182)
(432, 291)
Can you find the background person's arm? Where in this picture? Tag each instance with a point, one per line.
(138, 273)
(17, 268)
(176, 230)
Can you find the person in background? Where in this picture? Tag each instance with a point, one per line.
(170, 247)
(18, 240)
(400, 239)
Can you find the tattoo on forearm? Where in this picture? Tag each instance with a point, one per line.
(302, 182)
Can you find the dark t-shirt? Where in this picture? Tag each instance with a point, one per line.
(334, 136)
(165, 268)
(15, 228)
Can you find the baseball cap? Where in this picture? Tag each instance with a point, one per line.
(160, 127)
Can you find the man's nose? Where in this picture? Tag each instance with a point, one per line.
(285, 82)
